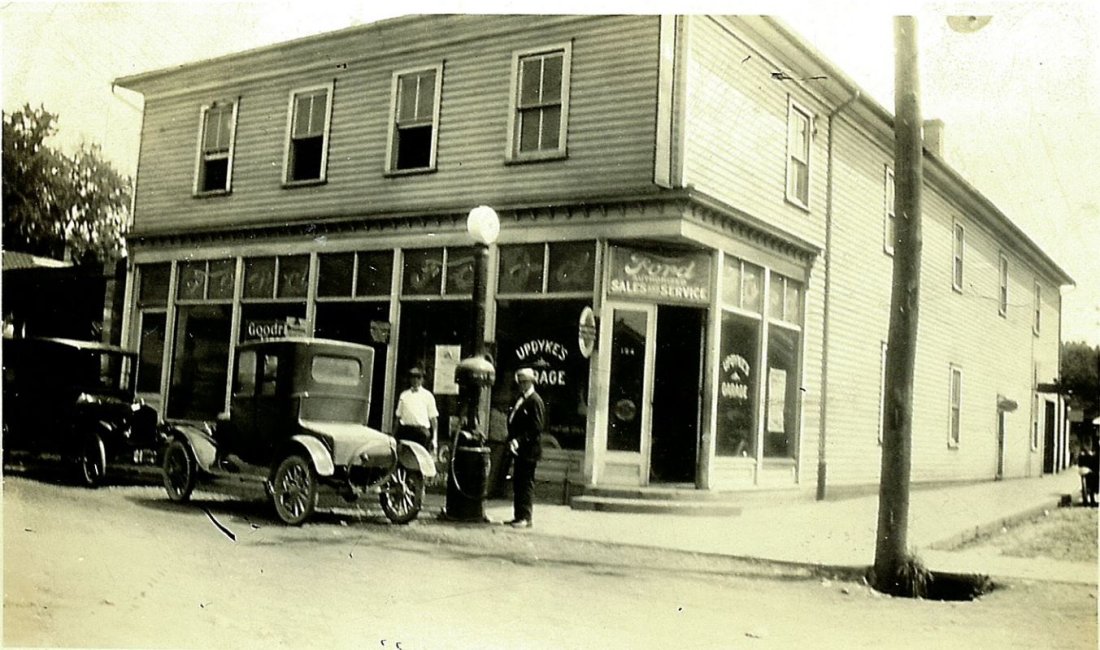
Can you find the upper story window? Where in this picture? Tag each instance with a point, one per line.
(217, 127)
(1002, 294)
(539, 116)
(799, 133)
(308, 120)
(890, 220)
(414, 127)
(1037, 308)
(955, 423)
(959, 240)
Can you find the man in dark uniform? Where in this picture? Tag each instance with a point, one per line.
(525, 426)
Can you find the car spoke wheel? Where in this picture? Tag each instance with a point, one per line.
(93, 462)
(402, 495)
(179, 471)
(294, 490)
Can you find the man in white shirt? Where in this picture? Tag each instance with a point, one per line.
(417, 415)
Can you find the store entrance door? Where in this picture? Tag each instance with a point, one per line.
(677, 393)
(626, 350)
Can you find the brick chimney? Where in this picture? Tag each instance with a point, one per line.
(933, 136)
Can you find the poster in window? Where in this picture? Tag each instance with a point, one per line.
(777, 398)
(446, 362)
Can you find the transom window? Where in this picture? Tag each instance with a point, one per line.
(415, 115)
(206, 280)
(559, 267)
(362, 274)
(799, 124)
(742, 285)
(285, 276)
(540, 99)
(438, 272)
(307, 134)
(785, 299)
(217, 125)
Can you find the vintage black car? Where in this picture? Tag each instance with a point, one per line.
(297, 426)
(75, 399)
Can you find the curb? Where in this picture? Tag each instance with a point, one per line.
(982, 530)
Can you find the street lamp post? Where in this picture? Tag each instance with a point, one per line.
(467, 481)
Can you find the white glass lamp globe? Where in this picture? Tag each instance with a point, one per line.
(483, 224)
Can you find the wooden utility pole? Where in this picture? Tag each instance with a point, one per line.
(891, 552)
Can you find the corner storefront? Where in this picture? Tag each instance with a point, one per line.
(672, 358)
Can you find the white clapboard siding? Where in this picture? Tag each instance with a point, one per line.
(962, 328)
(736, 129)
(612, 122)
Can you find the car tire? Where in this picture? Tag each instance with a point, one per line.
(402, 495)
(92, 462)
(178, 470)
(294, 490)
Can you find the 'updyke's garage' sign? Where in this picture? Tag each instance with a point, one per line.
(683, 277)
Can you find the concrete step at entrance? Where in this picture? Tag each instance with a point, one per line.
(652, 505)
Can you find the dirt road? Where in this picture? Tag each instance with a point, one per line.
(121, 567)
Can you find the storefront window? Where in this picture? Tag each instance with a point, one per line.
(366, 323)
(736, 425)
(435, 337)
(542, 335)
(200, 362)
(153, 304)
(151, 351)
(781, 416)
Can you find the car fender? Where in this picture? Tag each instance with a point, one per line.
(413, 455)
(318, 453)
(199, 440)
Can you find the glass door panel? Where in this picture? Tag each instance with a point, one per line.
(626, 394)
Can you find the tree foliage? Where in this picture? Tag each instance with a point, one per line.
(1080, 376)
(57, 204)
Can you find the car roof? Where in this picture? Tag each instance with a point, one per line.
(90, 346)
(305, 341)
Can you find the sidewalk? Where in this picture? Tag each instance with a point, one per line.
(838, 533)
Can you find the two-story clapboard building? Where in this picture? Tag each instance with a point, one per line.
(713, 189)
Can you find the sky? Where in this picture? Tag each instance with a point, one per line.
(1020, 98)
